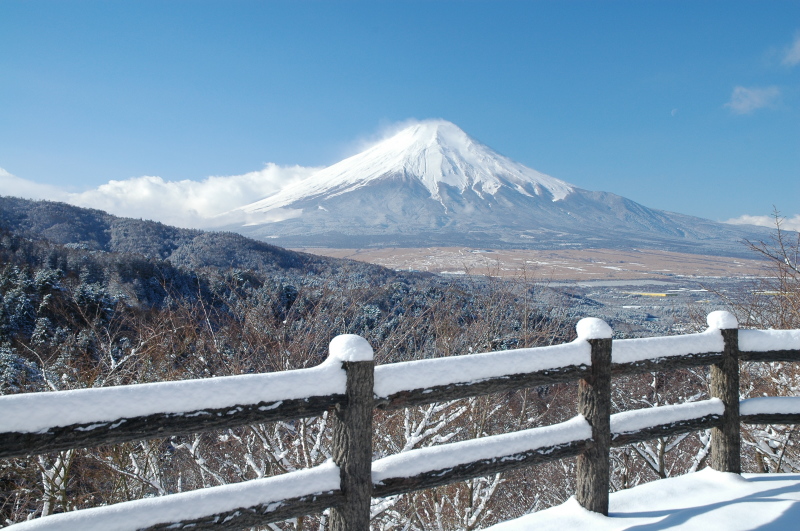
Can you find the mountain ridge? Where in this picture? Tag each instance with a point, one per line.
(98, 231)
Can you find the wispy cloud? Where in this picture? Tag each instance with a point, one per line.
(745, 100)
(385, 130)
(19, 187)
(195, 204)
(792, 223)
(791, 56)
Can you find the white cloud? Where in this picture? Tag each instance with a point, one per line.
(195, 204)
(746, 100)
(19, 187)
(199, 204)
(792, 55)
(792, 223)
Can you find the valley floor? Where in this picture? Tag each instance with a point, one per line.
(703, 501)
(549, 265)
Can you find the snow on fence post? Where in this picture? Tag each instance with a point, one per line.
(594, 403)
(726, 440)
(352, 433)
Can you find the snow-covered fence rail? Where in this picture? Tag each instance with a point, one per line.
(349, 385)
(45, 422)
(414, 383)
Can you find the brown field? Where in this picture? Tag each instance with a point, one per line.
(589, 264)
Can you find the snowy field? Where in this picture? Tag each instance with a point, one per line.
(703, 501)
(552, 265)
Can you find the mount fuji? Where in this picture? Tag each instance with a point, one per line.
(431, 184)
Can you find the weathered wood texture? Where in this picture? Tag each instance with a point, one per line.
(484, 467)
(771, 355)
(771, 418)
(725, 439)
(666, 363)
(594, 403)
(511, 382)
(13, 444)
(352, 448)
(259, 515)
(665, 430)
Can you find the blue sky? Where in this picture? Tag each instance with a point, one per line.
(692, 107)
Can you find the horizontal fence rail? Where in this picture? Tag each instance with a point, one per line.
(415, 383)
(45, 422)
(349, 386)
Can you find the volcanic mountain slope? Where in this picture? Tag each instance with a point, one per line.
(433, 185)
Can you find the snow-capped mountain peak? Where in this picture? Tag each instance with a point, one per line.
(435, 152)
(431, 184)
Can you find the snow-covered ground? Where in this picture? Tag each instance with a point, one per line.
(703, 501)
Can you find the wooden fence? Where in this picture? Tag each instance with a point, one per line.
(351, 386)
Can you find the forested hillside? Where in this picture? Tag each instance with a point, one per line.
(93, 300)
(87, 300)
(95, 230)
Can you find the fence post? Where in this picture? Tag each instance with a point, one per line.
(594, 403)
(352, 434)
(726, 440)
